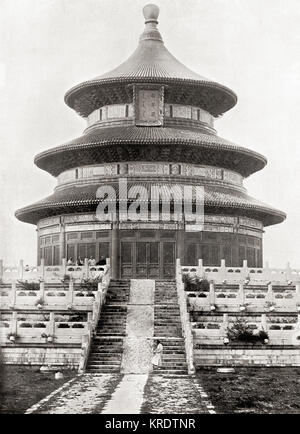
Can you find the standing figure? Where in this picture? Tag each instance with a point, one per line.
(157, 358)
(102, 261)
(79, 261)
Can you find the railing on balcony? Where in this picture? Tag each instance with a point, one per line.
(268, 299)
(237, 274)
(47, 273)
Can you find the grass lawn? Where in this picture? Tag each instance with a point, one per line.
(253, 390)
(23, 386)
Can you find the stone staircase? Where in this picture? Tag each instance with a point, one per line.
(107, 345)
(167, 328)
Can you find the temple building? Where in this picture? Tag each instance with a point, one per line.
(150, 121)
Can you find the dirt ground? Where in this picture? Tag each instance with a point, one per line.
(21, 387)
(248, 390)
(253, 390)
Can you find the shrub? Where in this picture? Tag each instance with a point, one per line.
(90, 284)
(240, 331)
(29, 286)
(193, 283)
(65, 280)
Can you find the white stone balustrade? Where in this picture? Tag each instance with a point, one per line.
(49, 274)
(237, 274)
(281, 333)
(33, 331)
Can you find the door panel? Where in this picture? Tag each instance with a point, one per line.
(126, 260)
(153, 266)
(168, 260)
(104, 250)
(147, 260)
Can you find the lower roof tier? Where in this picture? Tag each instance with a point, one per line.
(131, 143)
(217, 200)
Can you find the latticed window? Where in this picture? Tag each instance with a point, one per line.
(86, 235)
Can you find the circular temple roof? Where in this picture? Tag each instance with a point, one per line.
(130, 143)
(151, 62)
(217, 200)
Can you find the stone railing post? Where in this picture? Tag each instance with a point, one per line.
(42, 268)
(288, 272)
(266, 271)
(14, 323)
(225, 323)
(71, 293)
(297, 294)
(241, 294)
(64, 266)
(223, 270)
(263, 322)
(86, 268)
(200, 270)
(13, 296)
(84, 350)
(212, 294)
(270, 294)
(1, 269)
(42, 291)
(21, 269)
(51, 325)
(245, 269)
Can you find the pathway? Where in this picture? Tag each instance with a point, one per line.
(128, 396)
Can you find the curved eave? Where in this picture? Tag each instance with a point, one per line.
(220, 98)
(118, 144)
(83, 199)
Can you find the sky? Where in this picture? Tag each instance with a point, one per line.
(48, 46)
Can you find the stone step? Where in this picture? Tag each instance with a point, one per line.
(105, 358)
(95, 363)
(110, 333)
(102, 370)
(165, 321)
(171, 372)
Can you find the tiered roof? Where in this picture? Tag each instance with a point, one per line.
(150, 63)
(149, 143)
(217, 200)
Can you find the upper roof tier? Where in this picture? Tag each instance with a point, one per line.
(151, 62)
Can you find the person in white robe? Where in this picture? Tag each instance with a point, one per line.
(158, 353)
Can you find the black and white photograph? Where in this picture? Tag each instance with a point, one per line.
(150, 208)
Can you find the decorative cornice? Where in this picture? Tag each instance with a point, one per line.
(119, 144)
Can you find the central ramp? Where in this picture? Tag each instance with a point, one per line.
(138, 342)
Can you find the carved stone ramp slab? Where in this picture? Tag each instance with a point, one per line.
(138, 343)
